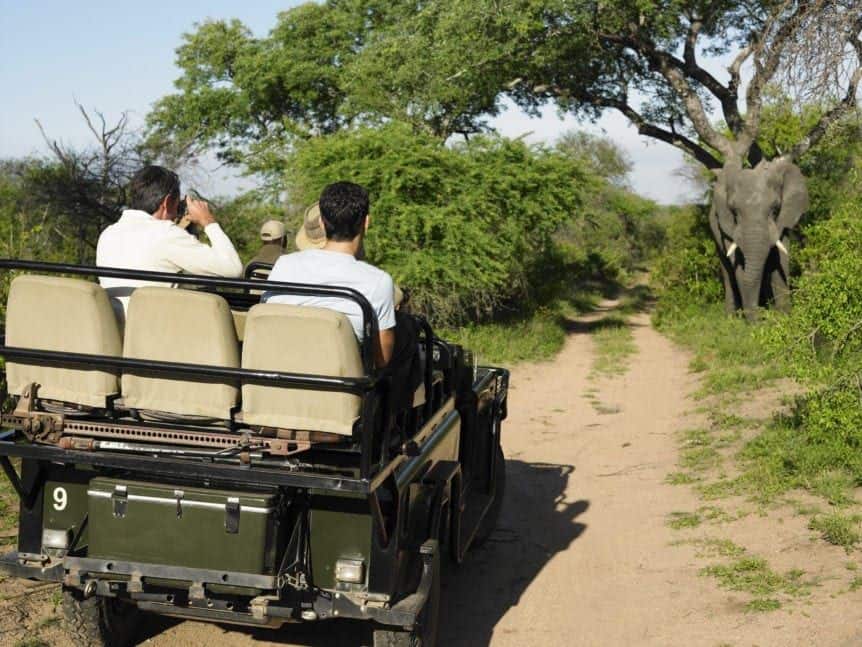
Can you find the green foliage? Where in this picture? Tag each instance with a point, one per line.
(468, 229)
(828, 165)
(533, 336)
(236, 89)
(601, 155)
(613, 345)
(687, 272)
(241, 218)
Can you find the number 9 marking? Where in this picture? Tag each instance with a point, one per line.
(61, 498)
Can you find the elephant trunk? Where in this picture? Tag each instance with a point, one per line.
(756, 246)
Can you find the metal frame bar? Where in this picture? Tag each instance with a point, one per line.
(369, 319)
(202, 372)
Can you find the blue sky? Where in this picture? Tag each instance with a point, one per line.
(119, 56)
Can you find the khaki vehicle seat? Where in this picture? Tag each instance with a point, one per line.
(62, 314)
(186, 326)
(300, 339)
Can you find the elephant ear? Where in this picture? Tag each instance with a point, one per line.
(794, 197)
(720, 212)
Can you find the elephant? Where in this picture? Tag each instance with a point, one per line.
(752, 213)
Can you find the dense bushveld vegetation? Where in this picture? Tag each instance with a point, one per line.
(817, 443)
(496, 239)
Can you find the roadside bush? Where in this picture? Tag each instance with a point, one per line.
(469, 229)
(687, 273)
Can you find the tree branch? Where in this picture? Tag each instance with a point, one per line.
(830, 117)
(727, 96)
(675, 72)
(764, 70)
(647, 129)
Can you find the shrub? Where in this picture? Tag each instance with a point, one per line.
(467, 228)
(687, 273)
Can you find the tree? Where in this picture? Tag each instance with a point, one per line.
(600, 154)
(643, 59)
(84, 189)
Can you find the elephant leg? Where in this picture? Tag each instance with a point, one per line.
(730, 301)
(779, 280)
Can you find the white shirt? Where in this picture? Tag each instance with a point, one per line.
(138, 241)
(336, 269)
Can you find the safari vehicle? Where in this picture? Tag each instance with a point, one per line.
(236, 462)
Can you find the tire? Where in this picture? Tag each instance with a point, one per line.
(426, 631)
(99, 622)
(487, 525)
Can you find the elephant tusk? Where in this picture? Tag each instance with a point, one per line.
(731, 250)
(781, 248)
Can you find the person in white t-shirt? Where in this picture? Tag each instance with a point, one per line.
(344, 210)
(146, 237)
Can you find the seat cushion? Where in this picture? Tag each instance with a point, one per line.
(299, 339)
(168, 324)
(62, 314)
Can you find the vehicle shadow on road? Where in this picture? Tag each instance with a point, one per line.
(537, 522)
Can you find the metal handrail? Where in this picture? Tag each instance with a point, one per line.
(369, 318)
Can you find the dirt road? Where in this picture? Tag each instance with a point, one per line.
(583, 554)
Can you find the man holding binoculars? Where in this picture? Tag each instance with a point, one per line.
(146, 237)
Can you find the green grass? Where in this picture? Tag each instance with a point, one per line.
(760, 605)
(680, 520)
(838, 529)
(699, 459)
(32, 642)
(708, 513)
(812, 445)
(538, 337)
(681, 478)
(614, 344)
(750, 574)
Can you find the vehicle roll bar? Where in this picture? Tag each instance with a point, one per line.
(369, 318)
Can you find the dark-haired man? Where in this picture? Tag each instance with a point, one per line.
(146, 237)
(344, 215)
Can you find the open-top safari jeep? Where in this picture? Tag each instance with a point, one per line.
(230, 461)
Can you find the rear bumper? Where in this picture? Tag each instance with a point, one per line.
(272, 604)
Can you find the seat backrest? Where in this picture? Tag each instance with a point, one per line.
(62, 314)
(300, 339)
(169, 324)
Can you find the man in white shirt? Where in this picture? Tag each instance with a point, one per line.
(344, 215)
(146, 237)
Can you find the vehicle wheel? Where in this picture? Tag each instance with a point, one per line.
(99, 622)
(426, 630)
(486, 527)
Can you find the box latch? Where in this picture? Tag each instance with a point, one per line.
(231, 515)
(120, 500)
(178, 496)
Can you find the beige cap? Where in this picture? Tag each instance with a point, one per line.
(311, 235)
(272, 230)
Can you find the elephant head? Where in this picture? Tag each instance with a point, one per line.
(753, 210)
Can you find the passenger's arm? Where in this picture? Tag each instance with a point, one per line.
(385, 312)
(384, 347)
(192, 256)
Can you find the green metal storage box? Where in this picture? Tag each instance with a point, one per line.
(182, 526)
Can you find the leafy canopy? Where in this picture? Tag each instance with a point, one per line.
(466, 228)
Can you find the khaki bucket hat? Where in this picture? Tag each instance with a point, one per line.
(272, 230)
(311, 235)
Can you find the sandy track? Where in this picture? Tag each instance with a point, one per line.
(583, 555)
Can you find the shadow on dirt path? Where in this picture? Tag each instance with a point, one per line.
(537, 523)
